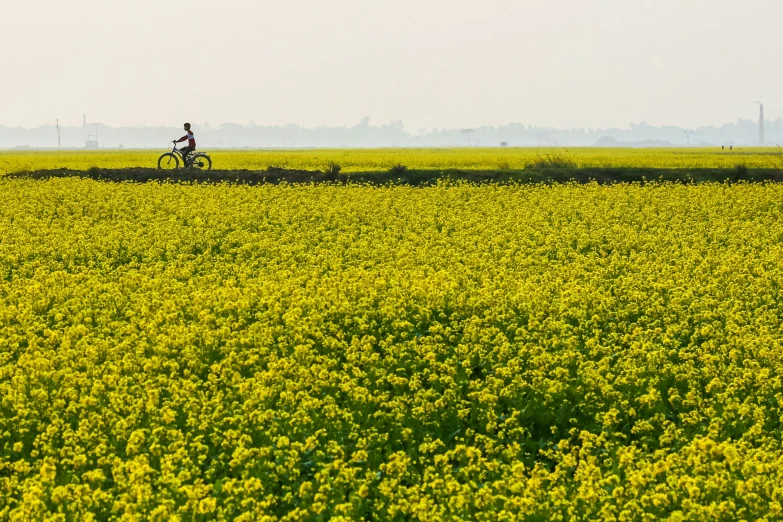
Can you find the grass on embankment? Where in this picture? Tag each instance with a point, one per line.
(418, 177)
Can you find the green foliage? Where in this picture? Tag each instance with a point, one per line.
(332, 168)
(554, 160)
(399, 170)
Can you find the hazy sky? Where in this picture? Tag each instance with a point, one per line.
(429, 63)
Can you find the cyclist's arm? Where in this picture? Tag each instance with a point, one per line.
(183, 138)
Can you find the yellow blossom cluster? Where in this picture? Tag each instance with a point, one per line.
(457, 352)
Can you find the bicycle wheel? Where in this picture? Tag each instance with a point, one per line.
(168, 161)
(202, 162)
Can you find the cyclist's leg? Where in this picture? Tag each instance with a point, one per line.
(185, 151)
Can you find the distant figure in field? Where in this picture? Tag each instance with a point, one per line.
(722, 147)
(731, 147)
(191, 146)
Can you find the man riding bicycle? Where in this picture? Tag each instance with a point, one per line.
(187, 156)
(191, 146)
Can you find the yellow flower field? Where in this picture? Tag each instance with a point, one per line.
(457, 352)
(369, 160)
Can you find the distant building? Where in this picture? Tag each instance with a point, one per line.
(504, 144)
(92, 138)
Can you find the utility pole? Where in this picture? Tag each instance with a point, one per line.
(58, 134)
(468, 132)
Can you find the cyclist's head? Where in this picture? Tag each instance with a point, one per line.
(187, 126)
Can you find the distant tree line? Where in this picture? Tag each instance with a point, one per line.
(393, 134)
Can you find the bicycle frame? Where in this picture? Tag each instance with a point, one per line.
(192, 158)
(178, 152)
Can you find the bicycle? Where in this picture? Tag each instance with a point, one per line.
(171, 160)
